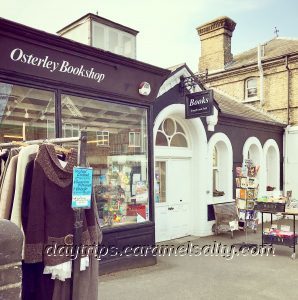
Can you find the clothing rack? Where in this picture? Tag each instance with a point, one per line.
(78, 224)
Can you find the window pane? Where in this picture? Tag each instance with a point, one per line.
(252, 92)
(161, 139)
(214, 157)
(113, 42)
(251, 87)
(251, 83)
(98, 36)
(120, 172)
(178, 140)
(179, 128)
(160, 182)
(128, 47)
(26, 113)
(169, 127)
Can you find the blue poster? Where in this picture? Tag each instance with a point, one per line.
(82, 187)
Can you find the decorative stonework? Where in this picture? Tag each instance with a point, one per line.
(220, 23)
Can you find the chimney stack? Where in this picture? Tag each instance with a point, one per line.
(215, 39)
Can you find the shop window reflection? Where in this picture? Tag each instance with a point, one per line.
(26, 113)
(117, 151)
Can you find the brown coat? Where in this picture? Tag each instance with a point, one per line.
(50, 216)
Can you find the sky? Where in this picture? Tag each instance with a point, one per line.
(167, 28)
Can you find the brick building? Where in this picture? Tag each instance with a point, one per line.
(265, 76)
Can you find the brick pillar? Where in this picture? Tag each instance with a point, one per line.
(11, 243)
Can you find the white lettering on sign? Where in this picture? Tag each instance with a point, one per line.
(198, 101)
(18, 55)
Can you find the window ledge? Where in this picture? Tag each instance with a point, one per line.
(219, 199)
(252, 99)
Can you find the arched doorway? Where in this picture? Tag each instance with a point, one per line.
(179, 145)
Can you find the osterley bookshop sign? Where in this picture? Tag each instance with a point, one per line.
(199, 104)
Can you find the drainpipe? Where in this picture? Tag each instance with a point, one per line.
(288, 90)
(261, 72)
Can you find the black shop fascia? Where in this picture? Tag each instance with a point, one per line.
(53, 87)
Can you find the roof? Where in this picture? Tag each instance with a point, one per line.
(276, 47)
(174, 78)
(232, 107)
(99, 19)
(174, 68)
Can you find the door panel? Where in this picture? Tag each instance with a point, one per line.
(173, 213)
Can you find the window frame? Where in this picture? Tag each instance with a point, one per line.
(104, 134)
(133, 144)
(247, 89)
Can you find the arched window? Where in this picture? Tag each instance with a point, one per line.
(220, 168)
(251, 89)
(220, 157)
(272, 158)
(171, 134)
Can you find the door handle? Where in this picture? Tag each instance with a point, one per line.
(170, 208)
(180, 200)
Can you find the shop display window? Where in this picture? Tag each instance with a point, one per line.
(26, 113)
(120, 171)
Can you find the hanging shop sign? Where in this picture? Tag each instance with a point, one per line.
(82, 187)
(199, 104)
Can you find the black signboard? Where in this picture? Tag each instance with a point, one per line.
(199, 104)
(43, 56)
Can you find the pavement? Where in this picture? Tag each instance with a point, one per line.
(210, 276)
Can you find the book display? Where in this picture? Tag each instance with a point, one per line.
(246, 195)
(278, 233)
(122, 195)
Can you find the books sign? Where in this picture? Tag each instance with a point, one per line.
(82, 187)
(199, 104)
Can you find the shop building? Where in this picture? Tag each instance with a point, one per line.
(195, 159)
(52, 87)
(264, 77)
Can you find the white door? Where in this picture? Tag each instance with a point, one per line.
(172, 206)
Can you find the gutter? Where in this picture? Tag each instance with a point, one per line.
(260, 67)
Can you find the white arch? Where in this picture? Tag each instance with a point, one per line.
(195, 130)
(273, 166)
(228, 163)
(250, 142)
(254, 144)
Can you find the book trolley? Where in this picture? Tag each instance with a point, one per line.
(282, 235)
